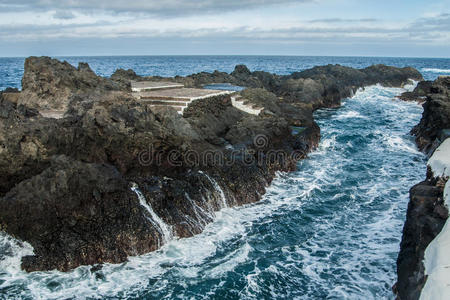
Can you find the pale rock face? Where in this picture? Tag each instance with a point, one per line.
(437, 258)
(440, 161)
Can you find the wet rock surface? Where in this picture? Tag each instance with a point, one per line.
(86, 188)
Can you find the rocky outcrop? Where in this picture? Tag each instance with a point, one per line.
(419, 93)
(124, 78)
(77, 213)
(86, 162)
(323, 86)
(48, 83)
(426, 215)
(436, 116)
(114, 177)
(427, 212)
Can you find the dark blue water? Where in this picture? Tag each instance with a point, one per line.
(11, 69)
(330, 230)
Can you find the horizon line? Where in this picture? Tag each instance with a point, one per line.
(228, 55)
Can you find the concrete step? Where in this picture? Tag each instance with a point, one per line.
(141, 86)
(165, 102)
(145, 98)
(177, 108)
(160, 89)
(246, 106)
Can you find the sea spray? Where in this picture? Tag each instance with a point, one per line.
(329, 230)
(217, 187)
(11, 253)
(163, 228)
(202, 215)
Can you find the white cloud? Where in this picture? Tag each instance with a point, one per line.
(152, 7)
(229, 20)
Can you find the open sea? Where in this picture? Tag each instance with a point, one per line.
(330, 230)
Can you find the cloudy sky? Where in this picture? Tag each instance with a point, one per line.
(266, 27)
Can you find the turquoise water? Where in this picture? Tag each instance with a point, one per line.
(330, 230)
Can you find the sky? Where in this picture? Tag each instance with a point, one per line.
(414, 28)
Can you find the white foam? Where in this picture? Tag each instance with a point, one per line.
(14, 251)
(411, 85)
(396, 143)
(218, 189)
(227, 243)
(160, 225)
(230, 261)
(199, 212)
(350, 114)
(327, 143)
(436, 70)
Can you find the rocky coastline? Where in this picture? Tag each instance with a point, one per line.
(427, 211)
(84, 189)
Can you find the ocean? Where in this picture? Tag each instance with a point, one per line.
(330, 230)
(11, 69)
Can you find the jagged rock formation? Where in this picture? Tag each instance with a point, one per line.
(124, 77)
(427, 212)
(425, 218)
(77, 213)
(115, 178)
(436, 116)
(323, 86)
(48, 83)
(419, 93)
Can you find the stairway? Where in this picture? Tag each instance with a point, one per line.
(142, 86)
(178, 104)
(245, 106)
(163, 94)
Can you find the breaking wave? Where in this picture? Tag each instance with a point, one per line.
(435, 70)
(329, 230)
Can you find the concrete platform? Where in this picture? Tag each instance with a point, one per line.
(140, 86)
(182, 94)
(178, 98)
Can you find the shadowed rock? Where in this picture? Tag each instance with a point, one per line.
(420, 92)
(436, 115)
(425, 218)
(65, 183)
(427, 212)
